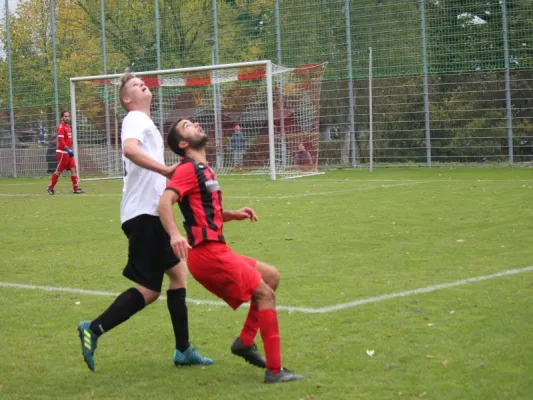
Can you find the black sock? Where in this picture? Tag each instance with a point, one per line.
(125, 306)
(178, 314)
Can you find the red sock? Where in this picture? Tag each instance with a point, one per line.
(74, 180)
(268, 324)
(55, 178)
(251, 325)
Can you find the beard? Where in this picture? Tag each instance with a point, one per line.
(198, 143)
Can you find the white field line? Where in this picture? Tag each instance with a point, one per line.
(325, 180)
(426, 289)
(40, 183)
(289, 196)
(47, 195)
(92, 292)
(354, 189)
(362, 180)
(290, 309)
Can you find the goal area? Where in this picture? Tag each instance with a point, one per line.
(261, 118)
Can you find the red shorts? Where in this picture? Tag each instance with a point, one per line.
(226, 274)
(64, 161)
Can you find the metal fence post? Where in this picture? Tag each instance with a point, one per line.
(505, 33)
(158, 60)
(106, 91)
(426, 83)
(10, 79)
(280, 88)
(351, 94)
(54, 56)
(218, 112)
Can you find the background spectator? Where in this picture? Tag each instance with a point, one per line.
(302, 156)
(238, 145)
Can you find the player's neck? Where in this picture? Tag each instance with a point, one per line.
(198, 156)
(142, 108)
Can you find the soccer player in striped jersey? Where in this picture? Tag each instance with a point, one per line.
(232, 277)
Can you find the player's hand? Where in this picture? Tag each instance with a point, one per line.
(170, 170)
(245, 213)
(69, 152)
(180, 246)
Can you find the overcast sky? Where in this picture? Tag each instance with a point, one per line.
(12, 4)
(12, 7)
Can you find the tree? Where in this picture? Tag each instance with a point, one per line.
(32, 58)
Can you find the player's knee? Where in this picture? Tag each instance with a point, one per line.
(265, 293)
(272, 277)
(177, 282)
(177, 275)
(275, 278)
(149, 295)
(269, 274)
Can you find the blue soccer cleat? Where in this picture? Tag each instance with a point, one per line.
(190, 357)
(88, 343)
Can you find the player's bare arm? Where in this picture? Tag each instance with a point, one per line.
(239, 215)
(133, 152)
(179, 244)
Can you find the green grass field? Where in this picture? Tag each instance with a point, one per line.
(342, 241)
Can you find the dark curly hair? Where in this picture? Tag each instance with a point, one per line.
(174, 138)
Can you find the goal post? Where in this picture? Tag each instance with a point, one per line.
(261, 118)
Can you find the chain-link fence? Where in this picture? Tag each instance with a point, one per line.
(451, 80)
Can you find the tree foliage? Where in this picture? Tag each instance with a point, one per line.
(463, 37)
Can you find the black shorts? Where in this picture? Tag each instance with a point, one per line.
(149, 251)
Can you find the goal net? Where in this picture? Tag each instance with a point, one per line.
(261, 118)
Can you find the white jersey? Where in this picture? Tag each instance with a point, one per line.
(142, 188)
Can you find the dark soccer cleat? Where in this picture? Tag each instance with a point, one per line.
(78, 191)
(284, 375)
(88, 343)
(190, 357)
(50, 191)
(249, 353)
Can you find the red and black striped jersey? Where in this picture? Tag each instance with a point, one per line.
(200, 201)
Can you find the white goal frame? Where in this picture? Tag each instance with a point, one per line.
(113, 155)
(270, 101)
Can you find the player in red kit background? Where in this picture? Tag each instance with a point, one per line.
(64, 155)
(233, 277)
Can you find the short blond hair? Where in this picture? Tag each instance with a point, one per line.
(124, 79)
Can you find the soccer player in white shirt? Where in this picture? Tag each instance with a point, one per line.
(149, 254)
